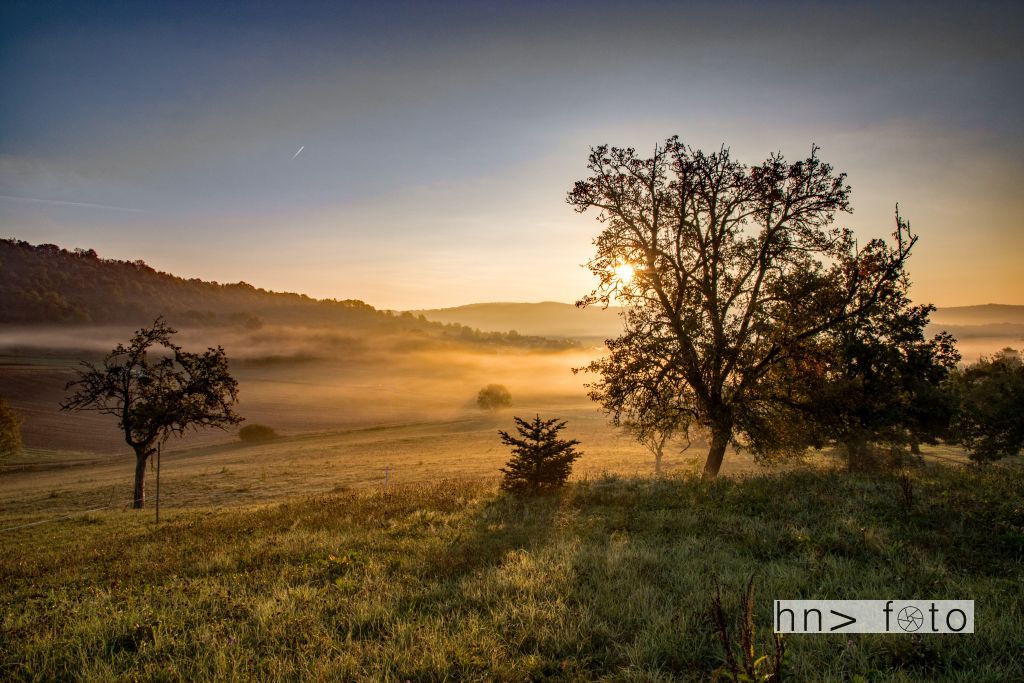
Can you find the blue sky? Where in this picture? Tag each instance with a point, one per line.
(440, 138)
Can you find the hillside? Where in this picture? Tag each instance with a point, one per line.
(48, 285)
(610, 579)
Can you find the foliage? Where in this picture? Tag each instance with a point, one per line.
(493, 397)
(736, 272)
(256, 433)
(157, 396)
(540, 460)
(607, 579)
(631, 390)
(875, 383)
(10, 429)
(989, 420)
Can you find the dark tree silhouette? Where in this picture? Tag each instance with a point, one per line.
(989, 395)
(493, 397)
(10, 429)
(878, 383)
(540, 460)
(735, 271)
(157, 390)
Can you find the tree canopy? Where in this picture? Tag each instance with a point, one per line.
(989, 396)
(877, 385)
(729, 272)
(494, 397)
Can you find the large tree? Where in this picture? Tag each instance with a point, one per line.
(157, 390)
(735, 272)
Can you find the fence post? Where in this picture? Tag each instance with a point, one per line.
(158, 483)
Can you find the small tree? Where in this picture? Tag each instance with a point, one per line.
(989, 413)
(10, 430)
(493, 397)
(257, 433)
(540, 460)
(157, 397)
(655, 437)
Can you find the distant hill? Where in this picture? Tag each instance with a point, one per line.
(547, 318)
(48, 285)
(984, 314)
(1002, 324)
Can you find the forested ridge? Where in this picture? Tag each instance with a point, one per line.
(47, 285)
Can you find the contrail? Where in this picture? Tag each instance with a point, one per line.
(298, 153)
(58, 202)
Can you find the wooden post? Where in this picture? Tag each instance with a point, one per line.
(158, 483)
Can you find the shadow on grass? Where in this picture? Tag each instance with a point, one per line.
(503, 525)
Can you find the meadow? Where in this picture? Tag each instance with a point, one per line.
(609, 579)
(371, 542)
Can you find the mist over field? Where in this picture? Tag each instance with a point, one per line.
(297, 379)
(305, 379)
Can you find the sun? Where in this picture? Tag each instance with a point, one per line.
(624, 273)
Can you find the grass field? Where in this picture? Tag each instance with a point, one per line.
(371, 542)
(609, 579)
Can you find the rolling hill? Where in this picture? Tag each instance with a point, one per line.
(47, 285)
(990, 325)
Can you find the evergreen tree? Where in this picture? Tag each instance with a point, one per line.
(540, 460)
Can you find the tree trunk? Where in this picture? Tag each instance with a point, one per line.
(657, 462)
(858, 453)
(141, 458)
(721, 430)
(915, 445)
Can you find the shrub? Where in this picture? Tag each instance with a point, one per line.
(540, 460)
(493, 397)
(989, 420)
(10, 429)
(256, 433)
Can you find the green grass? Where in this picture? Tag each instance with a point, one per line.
(610, 578)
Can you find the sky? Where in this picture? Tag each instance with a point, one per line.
(438, 139)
